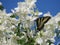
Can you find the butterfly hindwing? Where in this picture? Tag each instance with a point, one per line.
(41, 21)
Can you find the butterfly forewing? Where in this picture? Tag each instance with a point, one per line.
(41, 21)
(45, 20)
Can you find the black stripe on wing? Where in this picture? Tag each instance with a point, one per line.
(46, 19)
(41, 21)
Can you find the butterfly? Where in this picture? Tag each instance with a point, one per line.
(41, 21)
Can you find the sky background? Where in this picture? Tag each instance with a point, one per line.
(42, 5)
(53, 6)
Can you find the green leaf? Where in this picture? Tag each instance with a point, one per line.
(18, 31)
(58, 22)
(30, 41)
(21, 41)
(49, 41)
(1, 7)
(13, 16)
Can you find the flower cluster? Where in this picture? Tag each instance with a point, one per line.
(19, 27)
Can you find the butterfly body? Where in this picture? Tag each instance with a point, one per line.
(41, 21)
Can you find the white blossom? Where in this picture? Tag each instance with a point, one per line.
(47, 14)
(39, 41)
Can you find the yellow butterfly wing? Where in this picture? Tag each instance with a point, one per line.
(41, 21)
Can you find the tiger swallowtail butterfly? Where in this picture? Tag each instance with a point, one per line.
(41, 21)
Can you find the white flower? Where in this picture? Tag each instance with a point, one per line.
(31, 18)
(38, 13)
(21, 37)
(47, 14)
(16, 9)
(57, 17)
(52, 39)
(2, 28)
(52, 44)
(39, 40)
(30, 3)
(51, 24)
(12, 10)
